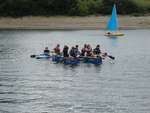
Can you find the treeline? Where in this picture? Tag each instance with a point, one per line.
(17, 8)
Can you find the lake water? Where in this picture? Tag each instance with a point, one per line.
(29, 85)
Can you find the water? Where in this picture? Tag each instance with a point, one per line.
(39, 86)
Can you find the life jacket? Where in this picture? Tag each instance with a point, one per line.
(83, 51)
(46, 51)
(77, 52)
(65, 52)
(57, 50)
(97, 51)
(89, 52)
(72, 53)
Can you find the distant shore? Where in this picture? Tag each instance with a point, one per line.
(73, 23)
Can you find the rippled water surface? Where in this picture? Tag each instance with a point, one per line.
(29, 85)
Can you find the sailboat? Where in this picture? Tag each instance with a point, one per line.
(113, 25)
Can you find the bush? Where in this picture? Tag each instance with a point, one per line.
(17, 8)
(123, 6)
(127, 7)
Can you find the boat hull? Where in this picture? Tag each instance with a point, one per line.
(71, 61)
(76, 61)
(42, 56)
(66, 61)
(114, 34)
(91, 60)
(57, 58)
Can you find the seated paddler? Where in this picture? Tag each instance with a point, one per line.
(57, 50)
(46, 51)
(97, 50)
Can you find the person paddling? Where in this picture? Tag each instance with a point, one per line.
(46, 51)
(83, 51)
(72, 52)
(65, 51)
(89, 51)
(77, 52)
(57, 49)
(97, 50)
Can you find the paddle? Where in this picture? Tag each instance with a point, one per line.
(111, 57)
(32, 56)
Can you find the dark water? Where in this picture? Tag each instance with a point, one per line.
(38, 86)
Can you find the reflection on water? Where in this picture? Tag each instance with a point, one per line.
(114, 41)
(35, 86)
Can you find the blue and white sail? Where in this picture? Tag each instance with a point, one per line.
(113, 22)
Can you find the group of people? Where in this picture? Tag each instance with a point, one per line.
(75, 52)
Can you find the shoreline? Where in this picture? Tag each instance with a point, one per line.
(72, 23)
(71, 29)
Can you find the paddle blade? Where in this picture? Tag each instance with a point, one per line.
(111, 57)
(32, 56)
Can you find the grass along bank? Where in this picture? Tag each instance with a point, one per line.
(63, 22)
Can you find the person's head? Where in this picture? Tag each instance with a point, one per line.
(66, 47)
(77, 46)
(46, 48)
(72, 47)
(85, 45)
(88, 46)
(105, 54)
(58, 45)
(98, 46)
